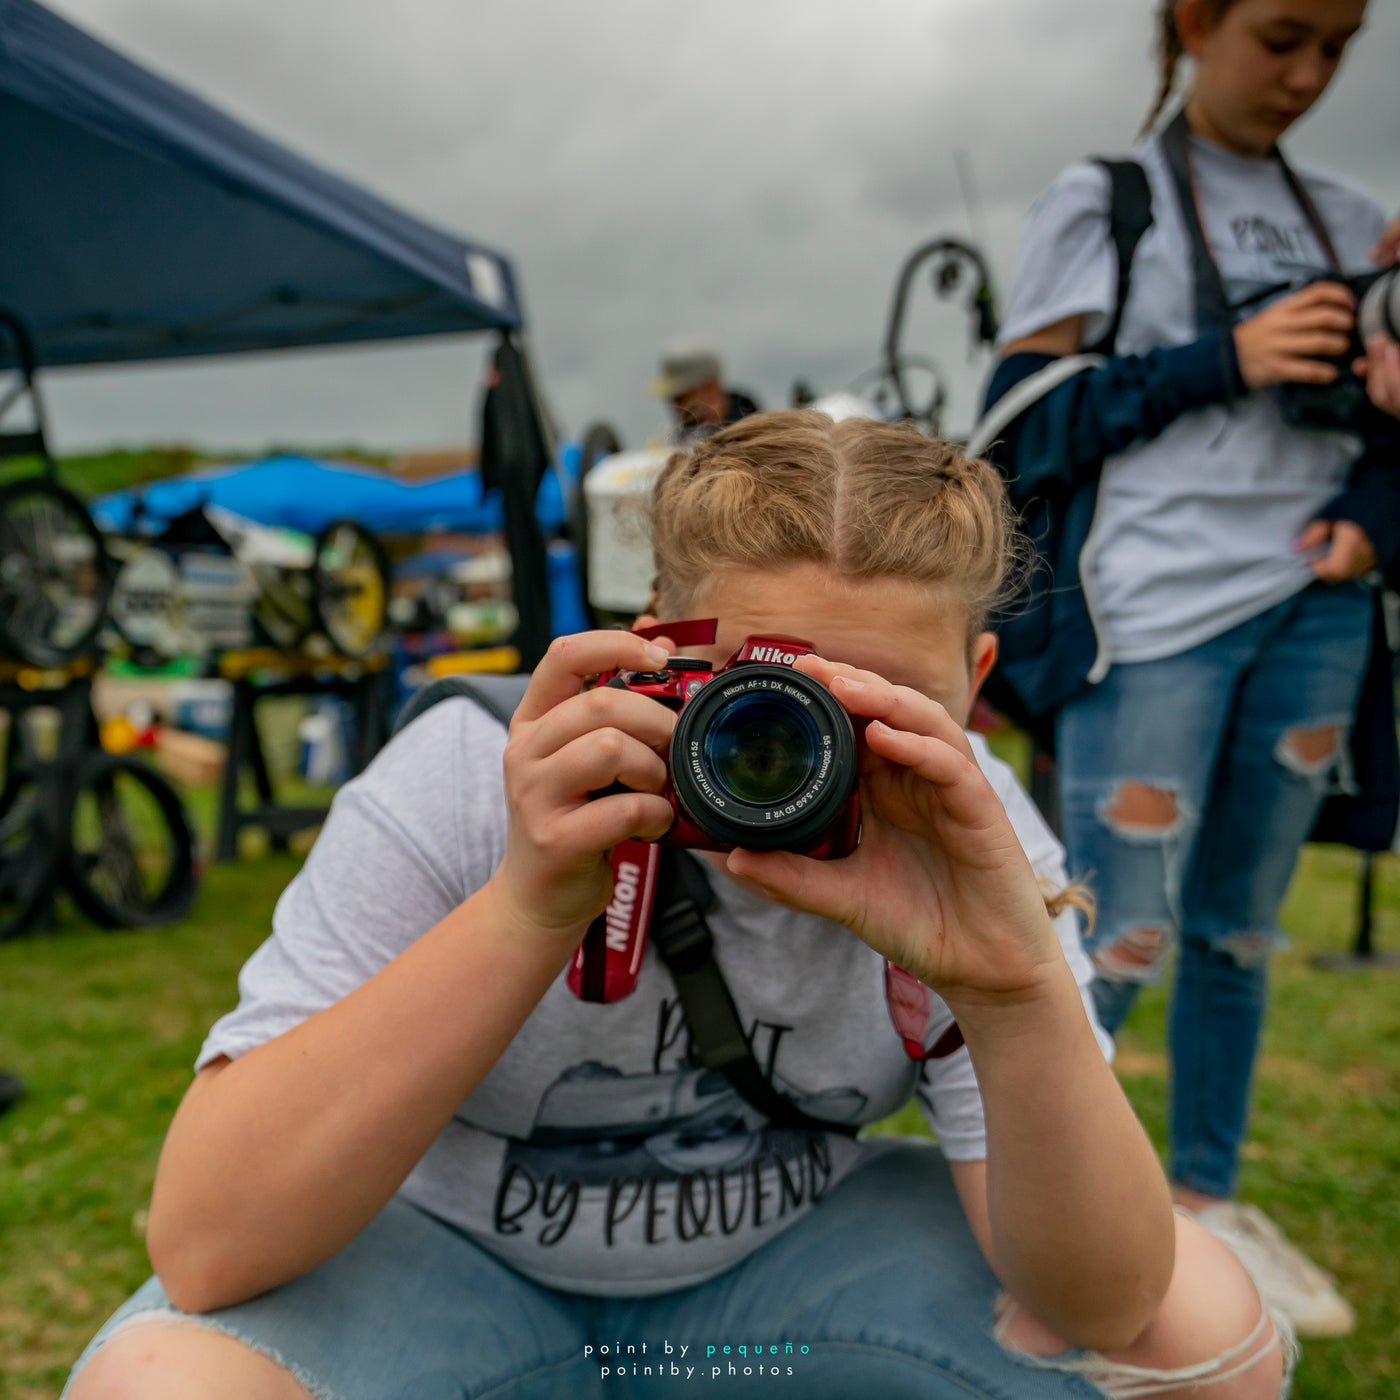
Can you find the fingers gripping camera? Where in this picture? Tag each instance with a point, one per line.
(762, 757)
(1343, 404)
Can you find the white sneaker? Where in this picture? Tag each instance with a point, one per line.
(1285, 1277)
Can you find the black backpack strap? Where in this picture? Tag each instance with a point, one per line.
(684, 943)
(1129, 217)
(499, 696)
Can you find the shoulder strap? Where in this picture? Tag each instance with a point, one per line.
(499, 696)
(683, 940)
(1311, 212)
(1212, 304)
(1016, 400)
(1129, 218)
(1130, 215)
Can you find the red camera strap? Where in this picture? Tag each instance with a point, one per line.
(911, 1009)
(608, 960)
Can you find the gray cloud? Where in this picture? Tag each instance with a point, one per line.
(751, 173)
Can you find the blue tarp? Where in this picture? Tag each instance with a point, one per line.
(139, 223)
(303, 493)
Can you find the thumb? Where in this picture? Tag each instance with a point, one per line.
(1314, 536)
(813, 886)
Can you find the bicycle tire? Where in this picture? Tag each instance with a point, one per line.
(351, 587)
(55, 577)
(29, 850)
(105, 877)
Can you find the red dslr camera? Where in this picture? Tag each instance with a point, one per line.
(763, 757)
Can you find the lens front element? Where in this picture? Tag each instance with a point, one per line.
(761, 749)
(763, 757)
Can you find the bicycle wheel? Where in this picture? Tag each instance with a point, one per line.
(351, 577)
(54, 575)
(284, 607)
(28, 850)
(129, 854)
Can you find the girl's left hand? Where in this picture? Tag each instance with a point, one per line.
(1344, 550)
(1380, 368)
(939, 883)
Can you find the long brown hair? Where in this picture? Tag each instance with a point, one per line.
(1170, 50)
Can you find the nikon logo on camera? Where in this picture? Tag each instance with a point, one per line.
(776, 655)
(620, 910)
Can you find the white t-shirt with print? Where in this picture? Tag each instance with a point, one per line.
(596, 1156)
(1194, 531)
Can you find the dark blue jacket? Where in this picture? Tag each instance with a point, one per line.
(1052, 455)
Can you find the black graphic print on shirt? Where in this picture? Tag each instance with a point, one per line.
(671, 1155)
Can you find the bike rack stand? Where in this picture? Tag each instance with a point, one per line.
(259, 673)
(68, 691)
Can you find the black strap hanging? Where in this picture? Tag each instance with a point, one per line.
(685, 944)
(1212, 304)
(1129, 218)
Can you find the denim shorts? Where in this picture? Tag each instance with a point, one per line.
(881, 1291)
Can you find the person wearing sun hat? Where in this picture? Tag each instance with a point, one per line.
(691, 377)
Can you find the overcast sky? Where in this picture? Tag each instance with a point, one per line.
(749, 171)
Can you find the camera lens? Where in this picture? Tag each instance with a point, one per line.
(761, 750)
(1380, 307)
(763, 757)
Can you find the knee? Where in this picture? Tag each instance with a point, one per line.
(159, 1359)
(1212, 1325)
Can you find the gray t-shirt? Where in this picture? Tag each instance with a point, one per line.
(596, 1156)
(1194, 530)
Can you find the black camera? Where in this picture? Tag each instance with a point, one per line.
(1344, 404)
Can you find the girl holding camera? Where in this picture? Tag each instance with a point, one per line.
(1222, 546)
(414, 1164)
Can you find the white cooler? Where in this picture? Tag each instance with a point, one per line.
(618, 494)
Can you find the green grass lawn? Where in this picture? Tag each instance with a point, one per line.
(105, 1027)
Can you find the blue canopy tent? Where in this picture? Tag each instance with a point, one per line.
(305, 493)
(139, 223)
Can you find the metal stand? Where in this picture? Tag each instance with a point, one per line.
(1364, 956)
(260, 674)
(67, 690)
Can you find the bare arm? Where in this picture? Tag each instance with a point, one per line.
(1079, 1218)
(1061, 339)
(1071, 1207)
(278, 1159)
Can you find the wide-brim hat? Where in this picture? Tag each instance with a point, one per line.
(684, 367)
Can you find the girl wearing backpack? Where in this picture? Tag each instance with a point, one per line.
(1204, 627)
(415, 1164)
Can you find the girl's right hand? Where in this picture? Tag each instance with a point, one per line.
(1292, 340)
(565, 743)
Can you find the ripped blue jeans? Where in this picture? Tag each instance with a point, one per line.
(1187, 787)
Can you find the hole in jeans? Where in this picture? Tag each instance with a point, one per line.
(1135, 956)
(1310, 751)
(1141, 810)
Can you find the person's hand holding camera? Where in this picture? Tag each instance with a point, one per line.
(1291, 341)
(566, 743)
(939, 884)
(1380, 368)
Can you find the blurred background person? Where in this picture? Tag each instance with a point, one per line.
(1208, 625)
(690, 376)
